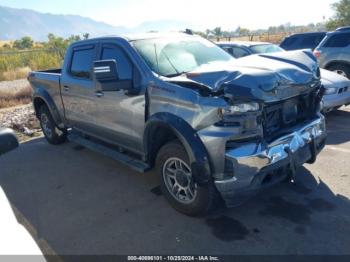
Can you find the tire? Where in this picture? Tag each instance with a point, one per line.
(52, 133)
(341, 69)
(172, 156)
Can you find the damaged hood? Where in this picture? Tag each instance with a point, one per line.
(266, 76)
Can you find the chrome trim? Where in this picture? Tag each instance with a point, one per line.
(250, 159)
(102, 69)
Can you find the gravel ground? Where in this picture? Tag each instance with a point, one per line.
(22, 119)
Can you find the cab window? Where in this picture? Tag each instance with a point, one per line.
(81, 62)
(124, 66)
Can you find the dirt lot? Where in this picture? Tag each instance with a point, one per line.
(74, 201)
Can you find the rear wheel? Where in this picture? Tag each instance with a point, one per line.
(178, 185)
(341, 69)
(52, 133)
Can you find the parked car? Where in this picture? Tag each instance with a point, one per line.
(337, 87)
(207, 122)
(333, 53)
(302, 41)
(14, 238)
(8, 140)
(239, 49)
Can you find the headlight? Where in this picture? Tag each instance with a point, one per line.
(239, 108)
(330, 90)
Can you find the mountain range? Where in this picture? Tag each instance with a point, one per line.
(16, 23)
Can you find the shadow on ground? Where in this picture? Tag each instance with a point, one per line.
(338, 123)
(79, 202)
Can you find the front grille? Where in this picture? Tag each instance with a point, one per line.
(280, 116)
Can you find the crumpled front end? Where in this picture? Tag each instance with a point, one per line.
(252, 150)
(254, 166)
(267, 123)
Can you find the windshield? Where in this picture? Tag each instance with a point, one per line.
(266, 48)
(174, 56)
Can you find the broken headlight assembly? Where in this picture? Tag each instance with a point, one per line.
(240, 114)
(239, 109)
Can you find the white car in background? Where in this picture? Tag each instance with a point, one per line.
(337, 87)
(14, 238)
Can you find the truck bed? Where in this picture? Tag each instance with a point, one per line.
(47, 83)
(50, 71)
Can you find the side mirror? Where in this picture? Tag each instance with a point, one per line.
(105, 70)
(107, 77)
(8, 140)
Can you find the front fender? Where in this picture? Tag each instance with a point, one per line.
(199, 159)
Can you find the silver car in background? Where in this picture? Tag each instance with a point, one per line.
(333, 53)
(337, 86)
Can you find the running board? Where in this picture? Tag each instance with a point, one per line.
(133, 163)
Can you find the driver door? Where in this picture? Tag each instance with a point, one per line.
(119, 114)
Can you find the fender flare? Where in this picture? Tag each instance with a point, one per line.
(42, 94)
(198, 155)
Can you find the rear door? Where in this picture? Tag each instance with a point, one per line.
(121, 115)
(78, 88)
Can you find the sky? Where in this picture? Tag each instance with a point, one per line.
(199, 14)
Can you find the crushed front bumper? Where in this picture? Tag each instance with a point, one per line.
(258, 165)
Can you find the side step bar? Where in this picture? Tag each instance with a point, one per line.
(133, 163)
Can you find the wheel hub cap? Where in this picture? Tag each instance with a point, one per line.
(182, 179)
(179, 181)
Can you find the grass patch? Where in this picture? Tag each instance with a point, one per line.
(13, 74)
(9, 98)
(16, 65)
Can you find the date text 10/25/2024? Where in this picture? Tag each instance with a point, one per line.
(173, 258)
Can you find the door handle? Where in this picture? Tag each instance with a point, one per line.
(99, 94)
(66, 88)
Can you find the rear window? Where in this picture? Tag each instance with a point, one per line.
(82, 60)
(311, 41)
(266, 48)
(304, 41)
(288, 41)
(228, 50)
(338, 40)
(239, 52)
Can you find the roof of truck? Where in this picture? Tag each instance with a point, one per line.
(133, 37)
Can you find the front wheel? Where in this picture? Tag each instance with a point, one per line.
(52, 133)
(178, 185)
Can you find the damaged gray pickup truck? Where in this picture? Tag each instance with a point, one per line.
(211, 126)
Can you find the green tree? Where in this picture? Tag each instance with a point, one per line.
(86, 36)
(217, 31)
(342, 15)
(72, 39)
(243, 31)
(25, 42)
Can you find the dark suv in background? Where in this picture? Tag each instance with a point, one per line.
(333, 53)
(303, 41)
